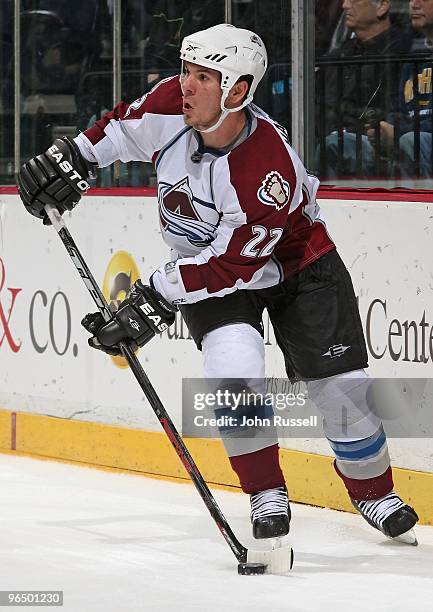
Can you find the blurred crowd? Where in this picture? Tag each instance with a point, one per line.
(373, 73)
(374, 92)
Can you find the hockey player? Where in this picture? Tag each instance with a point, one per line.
(239, 212)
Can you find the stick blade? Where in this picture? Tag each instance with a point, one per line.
(277, 560)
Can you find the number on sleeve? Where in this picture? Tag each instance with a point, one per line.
(251, 249)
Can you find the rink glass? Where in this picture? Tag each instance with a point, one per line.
(78, 59)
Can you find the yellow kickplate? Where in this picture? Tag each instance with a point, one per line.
(5, 430)
(310, 478)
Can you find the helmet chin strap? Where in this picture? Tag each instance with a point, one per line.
(216, 125)
(224, 111)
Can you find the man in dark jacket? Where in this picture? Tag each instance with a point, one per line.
(359, 88)
(413, 119)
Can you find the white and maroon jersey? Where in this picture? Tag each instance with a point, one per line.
(243, 219)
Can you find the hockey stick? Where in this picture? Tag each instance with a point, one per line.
(279, 560)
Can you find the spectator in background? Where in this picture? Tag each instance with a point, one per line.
(361, 91)
(328, 15)
(78, 16)
(413, 116)
(56, 42)
(171, 21)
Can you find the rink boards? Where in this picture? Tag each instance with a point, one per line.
(60, 399)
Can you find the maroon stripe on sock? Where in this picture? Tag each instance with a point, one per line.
(259, 471)
(370, 488)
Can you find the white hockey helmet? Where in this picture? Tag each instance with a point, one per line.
(232, 51)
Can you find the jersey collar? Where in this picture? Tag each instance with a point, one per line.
(220, 152)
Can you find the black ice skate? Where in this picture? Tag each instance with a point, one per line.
(391, 516)
(270, 513)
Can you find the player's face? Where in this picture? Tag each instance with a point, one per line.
(421, 13)
(201, 95)
(360, 13)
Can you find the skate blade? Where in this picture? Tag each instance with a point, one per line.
(408, 537)
(278, 560)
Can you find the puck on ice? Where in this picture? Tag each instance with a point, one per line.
(251, 569)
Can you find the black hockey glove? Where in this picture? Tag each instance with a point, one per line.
(144, 313)
(59, 177)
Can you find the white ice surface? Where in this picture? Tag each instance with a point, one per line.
(125, 543)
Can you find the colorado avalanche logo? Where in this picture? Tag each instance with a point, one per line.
(179, 216)
(274, 191)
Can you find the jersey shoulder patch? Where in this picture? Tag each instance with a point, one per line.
(274, 190)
